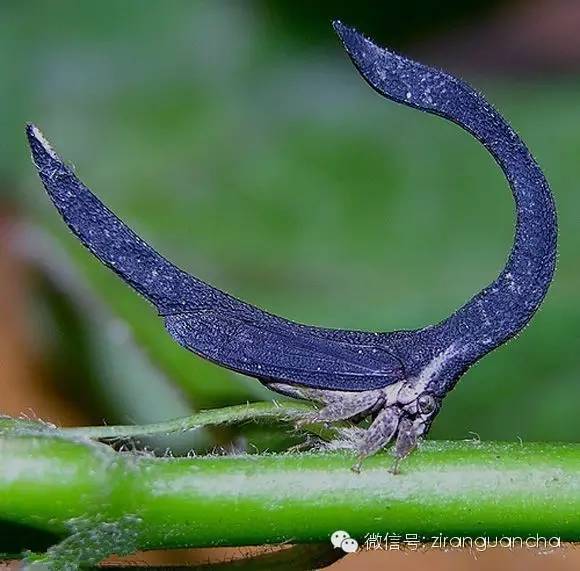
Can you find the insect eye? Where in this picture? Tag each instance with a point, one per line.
(426, 403)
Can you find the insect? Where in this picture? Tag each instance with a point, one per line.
(398, 379)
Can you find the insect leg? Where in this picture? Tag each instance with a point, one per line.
(378, 435)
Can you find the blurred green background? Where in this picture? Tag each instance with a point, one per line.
(237, 138)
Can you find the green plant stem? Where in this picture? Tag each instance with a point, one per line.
(449, 488)
(232, 414)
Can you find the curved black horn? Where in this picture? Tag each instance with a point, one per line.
(244, 338)
(504, 307)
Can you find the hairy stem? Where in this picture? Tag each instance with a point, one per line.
(232, 414)
(50, 483)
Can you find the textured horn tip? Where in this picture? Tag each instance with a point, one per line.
(38, 144)
(34, 134)
(346, 34)
(361, 49)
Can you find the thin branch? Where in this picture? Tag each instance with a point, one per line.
(287, 411)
